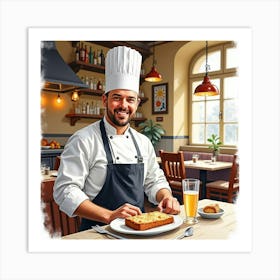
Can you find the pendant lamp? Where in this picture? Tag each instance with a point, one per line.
(75, 96)
(206, 88)
(153, 75)
(58, 99)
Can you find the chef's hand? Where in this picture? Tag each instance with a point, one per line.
(167, 203)
(125, 211)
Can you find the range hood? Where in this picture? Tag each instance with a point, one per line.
(56, 74)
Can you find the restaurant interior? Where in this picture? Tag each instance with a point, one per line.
(191, 98)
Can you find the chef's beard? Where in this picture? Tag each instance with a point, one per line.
(116, 121)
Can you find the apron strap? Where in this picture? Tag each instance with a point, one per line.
(106, 142)
(139, 156)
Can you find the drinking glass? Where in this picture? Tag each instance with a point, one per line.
(43, 167)
(47, 170)
(190, 192)
(195, 158)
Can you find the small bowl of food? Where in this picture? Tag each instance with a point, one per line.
(211, 211)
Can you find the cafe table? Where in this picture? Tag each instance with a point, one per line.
(218, 229)
(206, 165)
(203, 166)
(51, 176)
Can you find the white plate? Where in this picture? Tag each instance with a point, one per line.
(210, 215)
(119, 226)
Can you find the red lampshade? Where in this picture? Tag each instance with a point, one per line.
(153, 76)
(206, 88)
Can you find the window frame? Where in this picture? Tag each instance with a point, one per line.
(219, 74)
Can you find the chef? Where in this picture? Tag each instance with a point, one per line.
(107, 167)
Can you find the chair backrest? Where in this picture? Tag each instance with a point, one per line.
(173, 165)
(55, 221)
(57, 163)
(234, 173)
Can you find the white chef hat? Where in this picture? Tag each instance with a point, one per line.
(122, 69)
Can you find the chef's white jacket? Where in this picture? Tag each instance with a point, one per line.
(83, 165)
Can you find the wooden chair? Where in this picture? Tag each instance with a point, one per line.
(225, 190)
(56, 222)
(174, 169)
(57, 163)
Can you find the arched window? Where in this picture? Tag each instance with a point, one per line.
(215, 114)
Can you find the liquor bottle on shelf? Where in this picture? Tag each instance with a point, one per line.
(102, 58)
(94, 83)
(90, 83)
(87, 108)
(91, 109)
(97, 109)
(82, 52)
(99, 85)
(87, 81)
(77, 52)
(94, 58)
(90, 55)
(84, 108)
(98, 57)
(86, 55)
(78, 109)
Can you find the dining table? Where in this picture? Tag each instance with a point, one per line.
(49, 176)
(206, 229)
(206, 165)
(203, 166)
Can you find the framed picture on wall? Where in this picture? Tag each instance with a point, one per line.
(160, 99)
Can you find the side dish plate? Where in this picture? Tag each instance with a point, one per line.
(210, 215)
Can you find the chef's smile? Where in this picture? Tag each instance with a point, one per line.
(121, 106)
(122, 116)
(122, 113)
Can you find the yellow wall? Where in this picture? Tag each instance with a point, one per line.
(173, 61)
(164, 55)
(53, 114)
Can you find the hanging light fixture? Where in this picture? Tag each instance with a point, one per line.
(206, 88)
(153, 75)
(58, 99)
(75, 96)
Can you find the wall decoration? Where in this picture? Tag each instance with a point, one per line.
(160, 99)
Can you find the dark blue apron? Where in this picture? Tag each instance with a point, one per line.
(123, 184)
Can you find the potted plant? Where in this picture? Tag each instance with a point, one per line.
(152, 130)
(215, 145)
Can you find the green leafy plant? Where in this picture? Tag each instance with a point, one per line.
(215, 144)
(152, 130)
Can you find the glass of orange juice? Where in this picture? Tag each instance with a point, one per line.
(191, 192)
